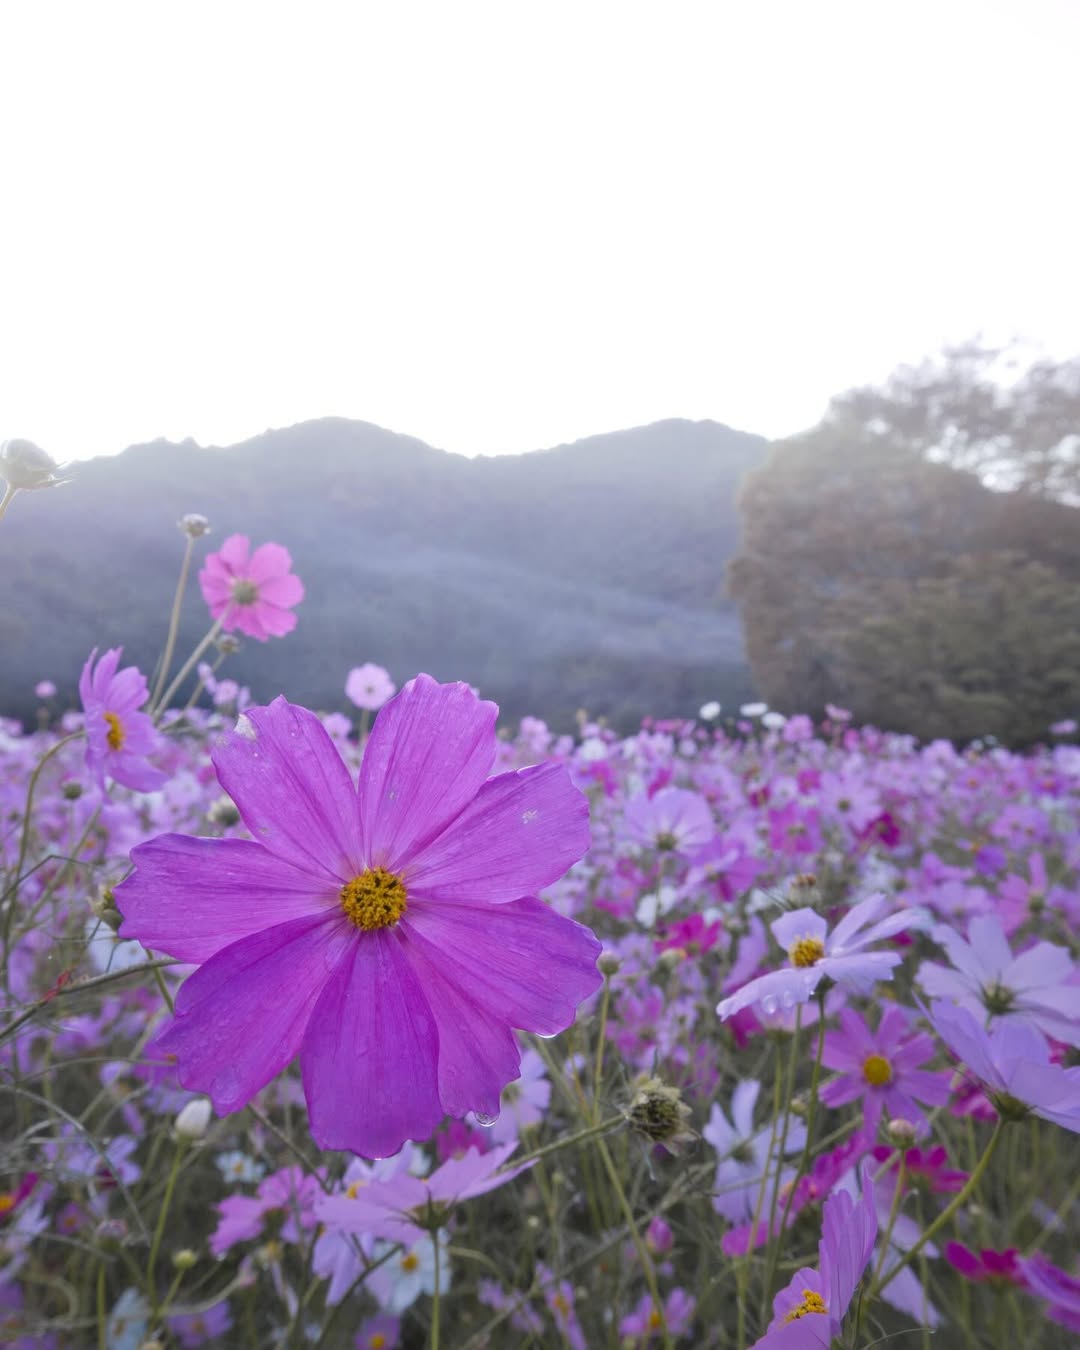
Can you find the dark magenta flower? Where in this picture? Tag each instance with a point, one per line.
(386, 934)
(119, 738)
(987, 1266)
(253, 593)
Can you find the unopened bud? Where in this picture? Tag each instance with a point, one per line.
(111, 1232)
(194, 525)
(228, 645)
(222, 811)
(103, 907)
(671, 957)
(26, 466)
(71, 791)
(609, 964)
(900, 1132)
(184, 1259)
(193, 1119)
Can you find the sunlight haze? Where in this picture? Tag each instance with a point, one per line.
(499, 227)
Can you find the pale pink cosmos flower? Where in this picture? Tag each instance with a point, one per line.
(816, 954)
(369, 687)
(251, 593)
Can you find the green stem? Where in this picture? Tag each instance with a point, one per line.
(958, 1201)
(557, 1145)
(155, 1246)
(642, 1250)
(599, 1071)
(174, 622)
(188, 666)
(435, 1298)
(894, 1209)
(102, 1320)
(95, 982)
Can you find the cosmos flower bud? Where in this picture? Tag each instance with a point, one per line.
(193, 1119)
(222, 811)
(194, 525)
(900, 1132)
(659, 1113)
(710, 711)
(184, 1259)
(608, 964)
(228, 645)
(103, 907)
(25, 466)
(71, 791)
(111, 1232)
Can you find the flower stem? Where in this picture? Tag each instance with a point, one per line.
(188, 666)
(174, 622)
(959, 1200)
(435, 1300)
(642, 1250)
(155, 1246)
(9, 496)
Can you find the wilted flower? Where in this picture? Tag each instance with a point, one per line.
(659, 1113)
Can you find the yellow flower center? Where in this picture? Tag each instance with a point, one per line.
(377, 1341)
(7, 1202)
(410, 1261)
(807, 951)
(877, 1070)
(561, 1305)
(811, 1303)
(116, 735)
(353, 1189)
(375, 899)
(655, 1321)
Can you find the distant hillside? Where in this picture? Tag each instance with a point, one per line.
(590, 575)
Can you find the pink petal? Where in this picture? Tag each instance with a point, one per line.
(431, 749)
(284, 591)
(293, 791)
(370, 1054)
(192, 897)
(273, 621)
(478, 1055)
(268, 561)
(234, 553)
(520, 833)
(525, 965)
(241, 1017)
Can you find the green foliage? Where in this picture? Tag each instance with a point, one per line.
(873, 575)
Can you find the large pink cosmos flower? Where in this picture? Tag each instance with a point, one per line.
(385, 934)
(119, 738)
(251, 592)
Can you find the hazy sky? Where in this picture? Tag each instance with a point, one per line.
(502, 226)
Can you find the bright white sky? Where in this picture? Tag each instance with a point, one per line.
(503, 226)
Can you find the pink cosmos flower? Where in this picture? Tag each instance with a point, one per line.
(810, 1311)
(645, 1322)
(369, 687)
(815, 954)
(881, 1067)
(119, 738)
(379, 1333)
(1012, 1061)
(671, 820)
(987, 1266)
(403, 1208)
(1057, 1286)
(288, 1193)
(387, 934)
(252, 593)
(1035, 988)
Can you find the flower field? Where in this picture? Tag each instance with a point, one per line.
(391, 1025)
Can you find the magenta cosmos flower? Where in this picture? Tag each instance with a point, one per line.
(253, 593)
(882, 1067)
(387, 934)
(810, 1311)
(815, 953)
(119, 738)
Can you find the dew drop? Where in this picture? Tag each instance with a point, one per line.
(768, 1005)
(484, 1120)
(787, 998)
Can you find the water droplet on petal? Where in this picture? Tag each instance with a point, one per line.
(484, 1120)
(768, 1005)
(787, 998)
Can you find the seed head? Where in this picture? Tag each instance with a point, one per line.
(659, 1113)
